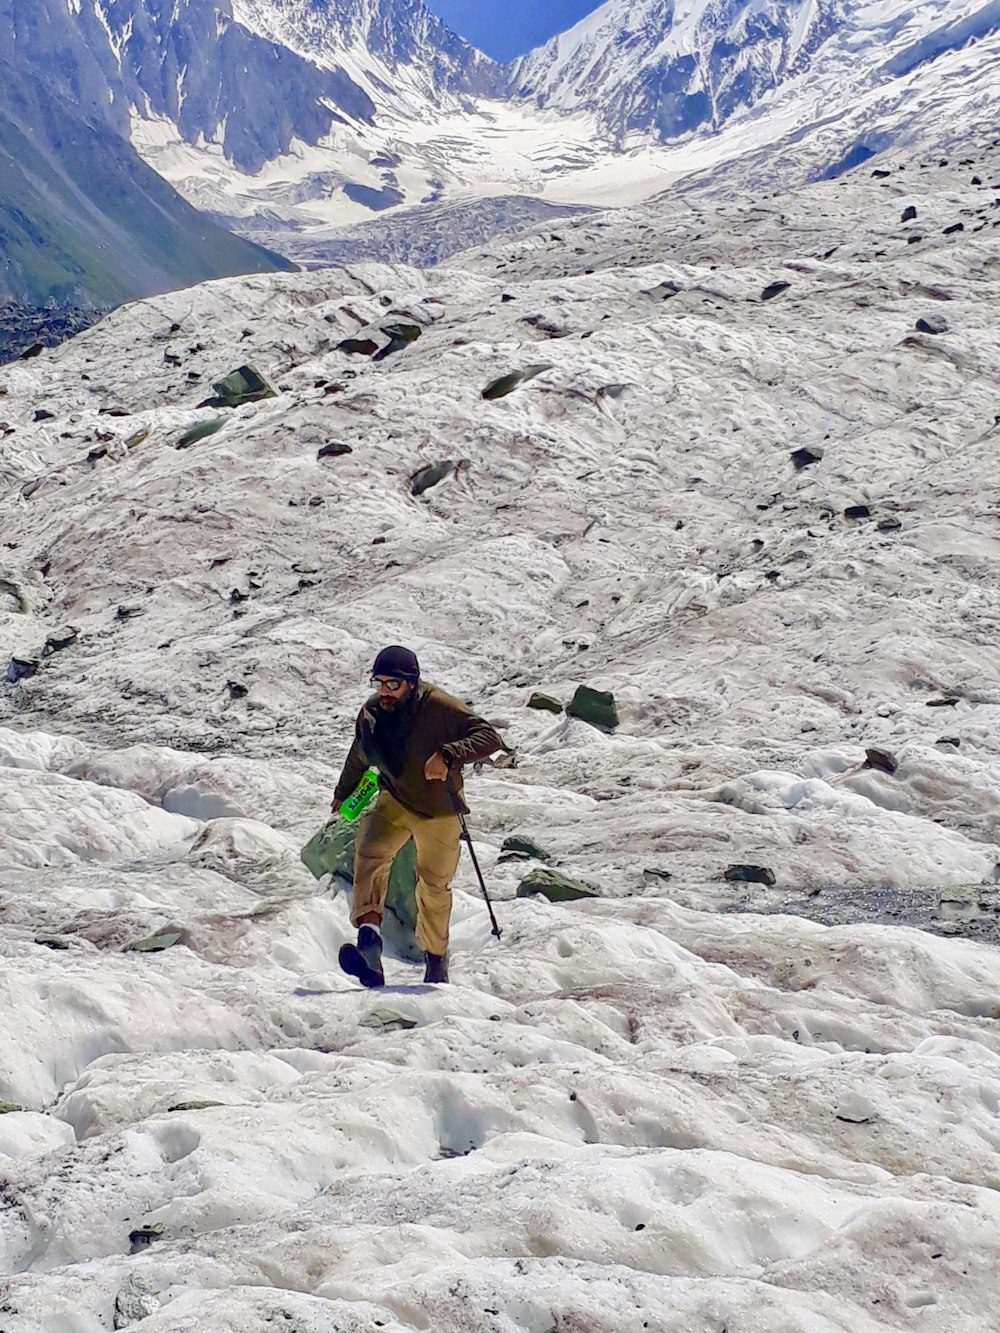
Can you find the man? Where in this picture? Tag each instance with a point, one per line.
(418, 737)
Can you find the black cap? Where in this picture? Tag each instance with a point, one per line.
(398, 662)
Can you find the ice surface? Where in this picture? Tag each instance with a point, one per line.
(691, 1104)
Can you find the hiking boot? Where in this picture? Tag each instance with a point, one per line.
(364, 959)
(435, 967)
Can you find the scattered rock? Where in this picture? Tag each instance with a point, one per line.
(144, 1236)
(954, 742)
(932, 324)
(136, 1300)
(129, 610)
(955, 226)
(36, 349)
(399, 335)
(43, 414)
(200, 432)
(948, 702)
(519, 846)
(387, 1020)
(857, 511)
(244, 385)
(889, 525)
(506, 384)
(137, 438)
(914, 240)
(611, 390)
(804, 457)
(551, 884)
(909, 214)
(52, 942)
(237, 690)
(545, 703)
(880, 174)
(335, 449)
(358, 346)
(594, 706)
(193, 1106)
(22, 668)
(773, 290)
(880, 759)
(6, 1108)
(653, 875)
(747, 874)
(155, 943)
(426, 477)
(59, 640)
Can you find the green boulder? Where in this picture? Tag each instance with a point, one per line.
(545, 703)
(331, 852)
(556, 887)
(244, 385)
(594, 706)
(506, 384)
(200, 432)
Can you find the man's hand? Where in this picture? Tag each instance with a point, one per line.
(436, 768)
(335, 805)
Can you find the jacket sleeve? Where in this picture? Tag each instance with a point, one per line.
(474, 739)
(354, 767)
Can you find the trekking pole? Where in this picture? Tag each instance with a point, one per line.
(472, 853)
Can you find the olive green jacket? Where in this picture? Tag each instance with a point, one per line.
(436, 722)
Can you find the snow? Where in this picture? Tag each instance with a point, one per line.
(690, 1103)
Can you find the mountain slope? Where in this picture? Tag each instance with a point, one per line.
(84, 218)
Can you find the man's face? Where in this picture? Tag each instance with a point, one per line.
(390, 692)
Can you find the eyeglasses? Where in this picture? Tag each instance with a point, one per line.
(390, 683)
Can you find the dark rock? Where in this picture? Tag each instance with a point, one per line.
(597, 707)
(880, 174)
(22, 668)
(880, 759)
(653, 875)
(359, 346)
(426, 477)
(113, 412)
(611, 390)
(59, 640)
(955, 226)
(909, 214)
(244, 385)
(142, 1237)
(36, 349)
(804, 458)
(507, 297)
(43, 414)
(545, 703)
(520, 845)
(932, 324)
(129, 610)
(506, 384)
(399, 335)
(237, 690)
(334, 450)
(889, 525)
(914, 240)
(954, 742)
(775, 289)
(663, 291)
(156, 943)
(857, 511)
(199, 432)
(948, 702)
(746, 874)
(551, 884)
(977, 180)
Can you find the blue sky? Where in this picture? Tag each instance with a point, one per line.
(511, 27)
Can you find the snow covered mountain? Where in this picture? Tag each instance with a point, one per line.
(672, 68)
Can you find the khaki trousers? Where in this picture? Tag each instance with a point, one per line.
(383, 832)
